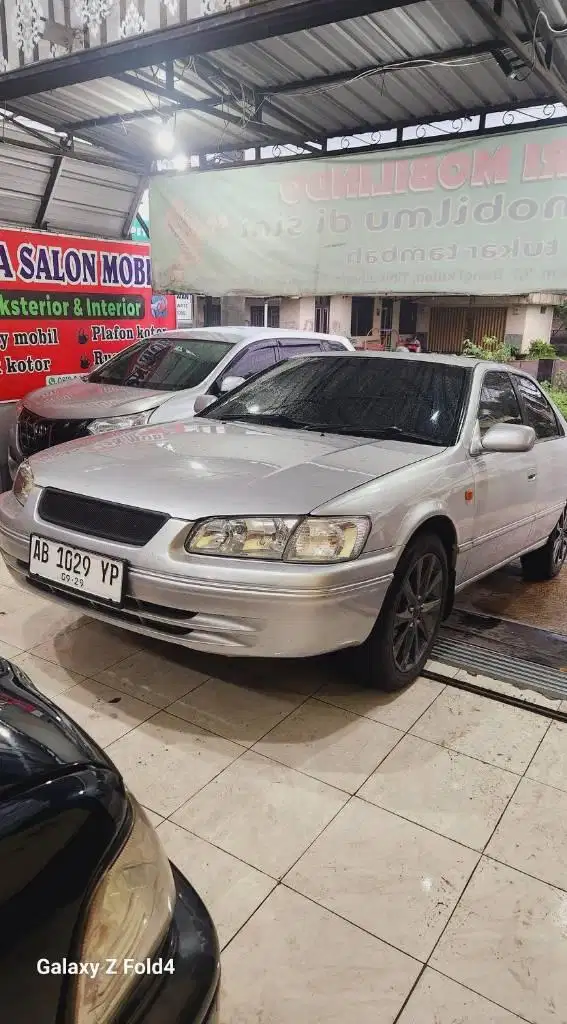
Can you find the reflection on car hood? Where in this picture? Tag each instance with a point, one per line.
(80, 400)
(205, 467)
(35, 738)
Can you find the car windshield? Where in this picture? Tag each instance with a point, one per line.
(397, 399)
(163, 363)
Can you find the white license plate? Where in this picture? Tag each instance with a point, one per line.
(77, 569)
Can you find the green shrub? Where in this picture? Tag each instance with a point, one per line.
(558, 396)
(540, 349)
(490, 348)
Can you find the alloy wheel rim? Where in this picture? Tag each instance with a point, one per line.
(418, 611)
(560, 541)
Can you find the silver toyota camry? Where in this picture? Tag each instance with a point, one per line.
(334, 502)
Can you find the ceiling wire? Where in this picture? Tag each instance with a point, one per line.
(409, 65)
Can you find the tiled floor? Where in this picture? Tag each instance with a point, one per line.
(367, 859)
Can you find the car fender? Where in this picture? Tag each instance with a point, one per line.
(416, 519)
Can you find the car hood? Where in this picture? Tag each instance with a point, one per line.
(81, 400)
(35, 737)
(205, 467)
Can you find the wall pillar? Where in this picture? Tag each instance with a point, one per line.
(340, 314)
(307, 313)
(395, 323)
(233, 311)
(538, 325)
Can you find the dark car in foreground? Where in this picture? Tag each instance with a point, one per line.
(96, 926)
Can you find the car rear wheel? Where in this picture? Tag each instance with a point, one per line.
(407, 627)
(547, 562)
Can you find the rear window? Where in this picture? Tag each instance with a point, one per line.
(164, 364)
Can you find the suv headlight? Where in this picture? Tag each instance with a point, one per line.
(127, 920)
(23, 483)
(314, 539)
(138, 419)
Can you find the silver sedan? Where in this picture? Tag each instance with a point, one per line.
(335, 502)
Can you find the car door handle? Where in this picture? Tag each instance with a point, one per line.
(532, 476)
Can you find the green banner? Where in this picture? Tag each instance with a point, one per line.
(478, 216)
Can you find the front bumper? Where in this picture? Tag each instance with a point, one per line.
(216, 605)
(190, 994)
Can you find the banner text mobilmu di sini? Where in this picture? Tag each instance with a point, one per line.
(68, 304)
(469, 216)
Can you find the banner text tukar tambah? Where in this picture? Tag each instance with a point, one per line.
(68, 304)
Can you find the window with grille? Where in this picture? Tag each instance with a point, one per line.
(322, 314)
(257, 316)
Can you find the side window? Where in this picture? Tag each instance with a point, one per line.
(538, 412)
(333, 346)
(252, 360)
(291, 348)
(498, 402)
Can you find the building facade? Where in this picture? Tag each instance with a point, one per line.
(441, 323)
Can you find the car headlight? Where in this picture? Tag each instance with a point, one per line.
(128, 918)
(254, 537)
(315, 539)
(138, 419)
(23, 483)
(328, 539)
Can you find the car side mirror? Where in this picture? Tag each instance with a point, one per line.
(509, 437)
(230, 383)
(203, 402)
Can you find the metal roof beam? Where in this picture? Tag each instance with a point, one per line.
(95, 159)
(139, 115)
(501, 29)
(46, 138)
(216, 109)
(40, 220)
(422, 143)
(340, 77)
(386, 126)
(143, 225)
(246, 24)
(131, 162)
(134, 207)
(205, 66)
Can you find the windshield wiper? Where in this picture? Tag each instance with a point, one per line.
(384, 434)
(275, 420)
(380, 434)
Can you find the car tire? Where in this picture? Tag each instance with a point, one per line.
(547, 562)
(403, 628)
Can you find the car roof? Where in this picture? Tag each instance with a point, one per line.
(429, 357)
(238, 335)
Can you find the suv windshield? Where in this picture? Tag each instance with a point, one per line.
(397, 399)
(163, 363)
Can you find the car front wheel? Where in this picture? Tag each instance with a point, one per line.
(547, 562)
(407, 627)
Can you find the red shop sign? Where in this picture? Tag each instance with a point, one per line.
(68, 304)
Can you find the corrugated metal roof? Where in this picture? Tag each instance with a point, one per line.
(246, 82)
(89, 197)
(252, 73)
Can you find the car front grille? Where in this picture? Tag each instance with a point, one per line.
(35, 433)
(155, 617)
(119, 523)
